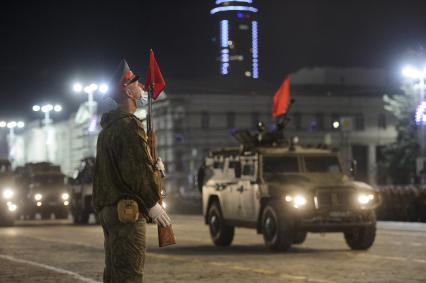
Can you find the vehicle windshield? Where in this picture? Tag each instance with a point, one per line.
(322, 164)
(280, 164)
(48, 179)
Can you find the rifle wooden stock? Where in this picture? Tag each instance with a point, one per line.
(166, 237)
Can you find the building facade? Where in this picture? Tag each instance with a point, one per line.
(192, 118)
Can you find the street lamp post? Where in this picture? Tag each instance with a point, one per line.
(87, 112)
(46, 109)
(90, 90)
(11, 125)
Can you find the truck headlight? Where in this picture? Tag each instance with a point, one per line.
(65, 196)
(12, 207)
(297, 200)
(8, 193)
(38, 197)
(365, 198)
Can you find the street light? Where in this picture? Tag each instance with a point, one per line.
(90, 89)
(46, 109)
(415, 74)
(418, 76)
(103, 88)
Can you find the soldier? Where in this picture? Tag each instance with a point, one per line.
(127, 182)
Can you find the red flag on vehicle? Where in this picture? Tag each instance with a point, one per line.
(281, 99)
(154, 77)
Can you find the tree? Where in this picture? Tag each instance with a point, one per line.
(400, 156)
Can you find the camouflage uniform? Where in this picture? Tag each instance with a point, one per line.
(123, 169)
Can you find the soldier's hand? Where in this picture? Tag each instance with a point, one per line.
(159, 215)
(160, 165)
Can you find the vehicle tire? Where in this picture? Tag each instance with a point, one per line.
(362, 238)
(7, 222)
(277, 230)
(299, 237)
(221, 233)
(81, 217)
(46, 215)
(61, 214)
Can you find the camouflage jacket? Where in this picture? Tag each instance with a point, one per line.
(124, 167)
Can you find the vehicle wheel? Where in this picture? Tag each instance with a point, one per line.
(362, 238)
(61, 214)
(276, 229)
(46, 215)
(81, 217)
(221, 233)
(7, 222)
(299, 237)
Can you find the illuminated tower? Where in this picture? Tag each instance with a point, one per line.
(238, 41)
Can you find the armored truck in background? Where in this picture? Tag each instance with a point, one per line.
(284, 191)
(9, 195)
(45, 190)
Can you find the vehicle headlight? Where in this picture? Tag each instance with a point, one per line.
(12, 207)
(8, 193)
(65, 196)
(297, 200)
(365, 198)
(38, 197)
(66, 203)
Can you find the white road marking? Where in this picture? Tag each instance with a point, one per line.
(51, 268)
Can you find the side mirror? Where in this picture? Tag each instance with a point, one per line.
(353, 168)
(237, 170)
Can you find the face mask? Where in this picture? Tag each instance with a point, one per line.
(142, 99)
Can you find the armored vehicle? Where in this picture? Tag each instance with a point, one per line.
(45, 190)
(9, 195)
(81, 191)
(284, 191)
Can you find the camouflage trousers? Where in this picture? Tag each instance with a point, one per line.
(125, 245)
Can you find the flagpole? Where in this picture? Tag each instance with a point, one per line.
(148, 116)
(166, 236)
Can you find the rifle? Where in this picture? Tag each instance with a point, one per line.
(166, 236)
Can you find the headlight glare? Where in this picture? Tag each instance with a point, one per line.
(65, 196)
(299, 201)
(364, 199)
(38, 197)
(12, 207)
(8, 193)
(296, 200)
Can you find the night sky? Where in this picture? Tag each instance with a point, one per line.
(47, 45)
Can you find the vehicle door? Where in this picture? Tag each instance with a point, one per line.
(232, 193)
(248, 188)
(224, 187)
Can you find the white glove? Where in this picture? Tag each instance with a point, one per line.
(160, 166)
(159, 215)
